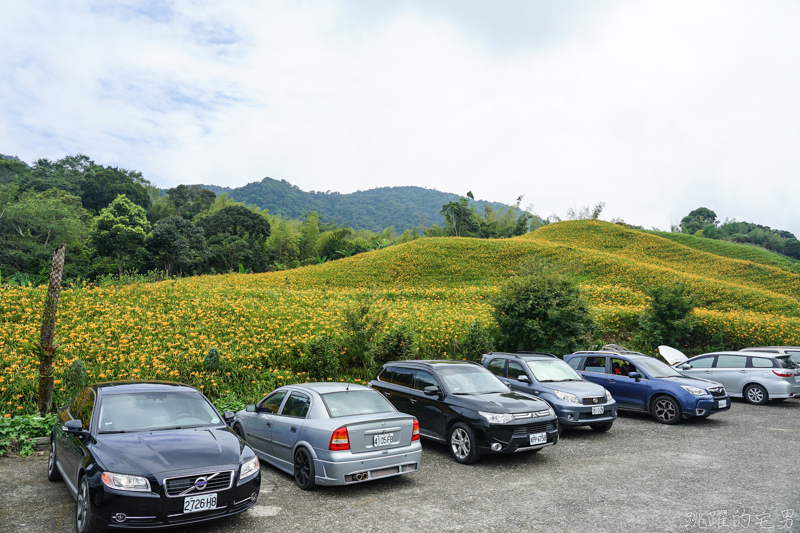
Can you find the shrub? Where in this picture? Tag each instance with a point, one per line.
(212, 360)
(321, 358)
(542, 309)
(397, 344)
(476, 341)
(361, 324)
(75, 375)
(18, 433)
(668, 318)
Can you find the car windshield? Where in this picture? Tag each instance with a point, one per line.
(555, 370)
(470, 379)
(153, 411)
(657, 369)
(359, 402)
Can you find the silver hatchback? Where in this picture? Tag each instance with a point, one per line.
(755, 376)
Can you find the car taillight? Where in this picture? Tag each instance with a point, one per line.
(340, 440)
(415, 431)
(782, 374)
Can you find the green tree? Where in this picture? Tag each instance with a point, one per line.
(542, 309)
(361, 325)
(698, 219)
(460, 217)
(177, 244)
(189, 200)
(668, 318)
(119, 231)
(236, 235)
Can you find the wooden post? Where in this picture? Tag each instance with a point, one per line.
(46, 346)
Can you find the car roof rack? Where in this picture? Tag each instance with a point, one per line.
(609, 352)
(522, 353)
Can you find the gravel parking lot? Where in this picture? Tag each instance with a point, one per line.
(733, 472)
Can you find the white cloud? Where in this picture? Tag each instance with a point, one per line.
(654, 108)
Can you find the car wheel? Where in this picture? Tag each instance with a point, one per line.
(52, 469)
(83, 509)
(462, 444)
(666, 410)
(304, 470)
(756, 394)
(602, 428)
(239, 431)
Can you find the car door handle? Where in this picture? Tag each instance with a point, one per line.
(413, 400)
(387, 394)
(269, 425)
(294, 429)
(743, 371)
(612, 380)
(706, 371)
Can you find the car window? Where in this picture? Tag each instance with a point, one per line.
(702, 362)
(761, 362)
(273, 402)
(574, 362)
(424, 379)
(386, 374)
(555, 370)
(75, 406)
(731, 361)
(515, 370)
(622, 367)
(403, 377)
(786, 362)
(470, 379)
(595, 364)
(497, 366)
(296, 405)
(154, 410)
(358, 402)
(87, 406)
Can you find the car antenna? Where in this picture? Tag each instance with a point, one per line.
(347, 389)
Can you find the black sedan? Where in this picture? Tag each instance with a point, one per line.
(150, 455)
(467, 407)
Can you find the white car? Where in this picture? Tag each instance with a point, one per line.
(755, 376)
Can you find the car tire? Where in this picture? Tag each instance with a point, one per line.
(304, 474)
(83, 509)
(602, 428)
(756, 394)
(462, 444)
(52, 468)
(667, 410)
(237, 428)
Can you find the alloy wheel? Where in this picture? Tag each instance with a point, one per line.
(302, 468)
(51, 461)
(460, 442)
(755, 395)
(82, 506)
(665, 410)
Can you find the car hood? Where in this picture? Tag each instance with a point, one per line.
(151, 452)
(692, 381)
(672, 355)
(504, 402)
(580, 389)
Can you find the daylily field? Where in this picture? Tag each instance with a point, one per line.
(261, 322)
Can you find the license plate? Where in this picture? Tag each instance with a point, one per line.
(723, 403)
(597, 410)
(538, 438)
(203, 502)
(383, 439)
(797, 378)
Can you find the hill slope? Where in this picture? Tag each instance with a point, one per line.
(375, 209)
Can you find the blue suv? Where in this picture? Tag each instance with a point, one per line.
(642, 383)
(577, 402)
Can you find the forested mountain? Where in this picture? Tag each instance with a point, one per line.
(375, 209)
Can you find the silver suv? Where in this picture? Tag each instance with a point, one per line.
(755, 376)
(791, 351)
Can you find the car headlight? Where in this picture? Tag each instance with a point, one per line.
(609, 398)
(552, 412)
(566, 397)
(694, 390)
(497, 418)
(126, 482)
(249, 468)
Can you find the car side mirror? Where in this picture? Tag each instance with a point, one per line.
(634, 375)
(523, 379)
(251, 408)
(228, 416)
(432, 390)
(685, 366)
(74, 427)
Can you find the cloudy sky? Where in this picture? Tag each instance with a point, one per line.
(655, 108)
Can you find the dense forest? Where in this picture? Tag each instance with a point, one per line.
(400, 207)
(114, 222)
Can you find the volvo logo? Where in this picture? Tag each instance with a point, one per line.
(200, 483)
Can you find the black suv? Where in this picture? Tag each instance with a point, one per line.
(465, 406)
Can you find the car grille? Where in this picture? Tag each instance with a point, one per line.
(717, 391)
(183, 486)
(594, 400)
(521, 431)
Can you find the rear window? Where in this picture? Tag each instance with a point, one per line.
(403, 377)
(361, 402)
(786, 362)
(386, 374)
